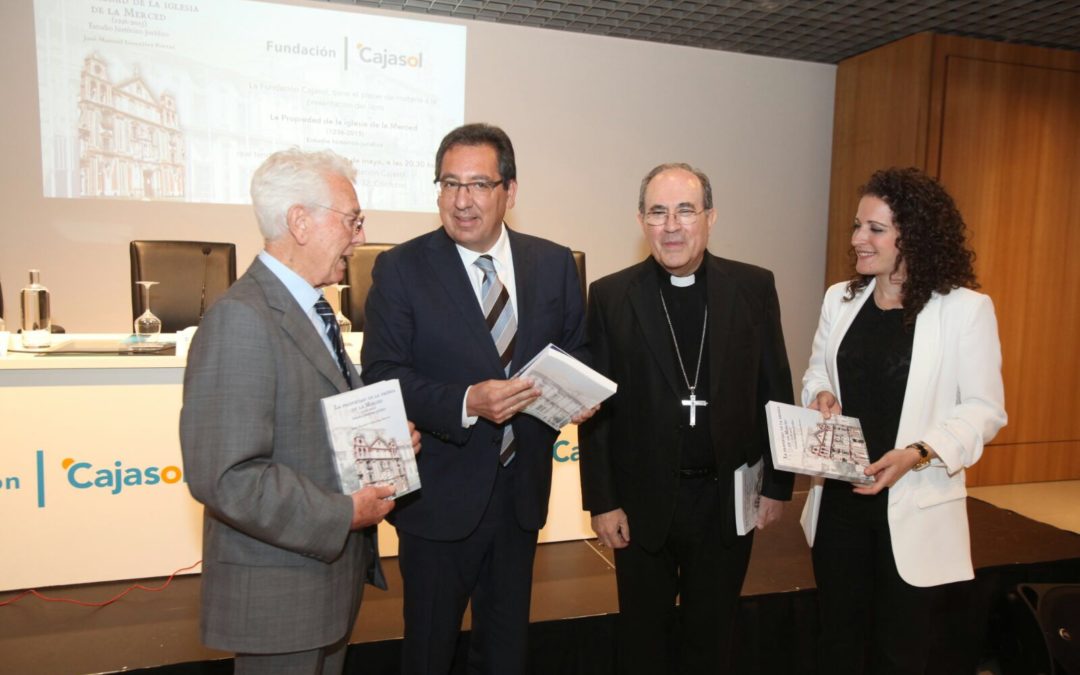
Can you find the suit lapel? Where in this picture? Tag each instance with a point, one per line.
(445, 263)
(644, 296)
(297, 326)
(721, 298)
(845, 314)
(925, 360)
(526, 290)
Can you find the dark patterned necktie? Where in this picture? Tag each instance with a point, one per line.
(501, 322)
(333, 331)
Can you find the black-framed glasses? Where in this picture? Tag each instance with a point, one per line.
(353, 221)
(477, 188)
(685, 216)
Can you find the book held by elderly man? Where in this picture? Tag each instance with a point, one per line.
(370, 436)
(803, 441)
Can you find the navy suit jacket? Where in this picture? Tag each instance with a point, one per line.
(425, 327)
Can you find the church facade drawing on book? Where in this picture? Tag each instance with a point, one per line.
(840, 442)
(378, 460)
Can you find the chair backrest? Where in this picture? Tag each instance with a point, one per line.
(579, 260)
(358, 277)
(191, 275)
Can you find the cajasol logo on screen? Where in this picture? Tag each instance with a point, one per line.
(111, 477)
(385, 58)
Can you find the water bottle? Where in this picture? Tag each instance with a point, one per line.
(36, 319)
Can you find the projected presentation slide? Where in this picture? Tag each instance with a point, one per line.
(181, 100)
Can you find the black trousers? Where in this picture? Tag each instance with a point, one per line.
(694, 565)
(492, 567)
(872, 621)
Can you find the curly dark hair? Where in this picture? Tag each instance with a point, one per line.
(932, 238)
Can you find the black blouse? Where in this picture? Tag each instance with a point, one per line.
(873, 363)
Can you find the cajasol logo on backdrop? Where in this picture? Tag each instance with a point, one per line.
(116, 477)
(111, 477)
(562, 451)
(387, 58)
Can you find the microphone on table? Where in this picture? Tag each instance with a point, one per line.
(206, 268)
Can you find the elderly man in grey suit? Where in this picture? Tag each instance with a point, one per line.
(285, 553)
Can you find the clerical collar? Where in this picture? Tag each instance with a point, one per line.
(677, 281)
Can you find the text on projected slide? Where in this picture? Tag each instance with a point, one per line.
(182, 100)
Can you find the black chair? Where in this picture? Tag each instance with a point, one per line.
(1044, 635)
(579, 260)
(191, 275)
(358, 277)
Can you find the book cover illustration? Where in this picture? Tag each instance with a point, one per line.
(803, 441)
(370, 437)
(569, 386)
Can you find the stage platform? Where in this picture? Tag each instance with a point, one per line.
(572, 611)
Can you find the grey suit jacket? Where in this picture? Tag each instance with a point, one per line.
(281, 570)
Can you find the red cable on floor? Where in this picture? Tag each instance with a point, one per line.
(150, 589)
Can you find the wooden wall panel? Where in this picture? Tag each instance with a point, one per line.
(880, 120)
(1009, 156)
(947, 47)
(1026, 463)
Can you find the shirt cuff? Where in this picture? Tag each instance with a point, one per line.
(466, 419)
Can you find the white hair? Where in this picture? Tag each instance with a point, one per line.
(293, 177)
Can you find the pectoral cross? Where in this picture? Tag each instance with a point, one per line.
(693, 402)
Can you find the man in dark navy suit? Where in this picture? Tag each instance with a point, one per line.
(452, 314)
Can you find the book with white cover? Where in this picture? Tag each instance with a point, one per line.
(747, 496)
(569, 386)
(803, 441)
(370, 436)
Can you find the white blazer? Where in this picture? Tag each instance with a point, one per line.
(954, 402)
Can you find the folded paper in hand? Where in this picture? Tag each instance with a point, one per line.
(569, 386)
(370, 437)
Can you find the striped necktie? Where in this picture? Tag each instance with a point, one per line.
(499, 314)
(333, 331)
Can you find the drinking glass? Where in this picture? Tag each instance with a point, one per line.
(147, 325)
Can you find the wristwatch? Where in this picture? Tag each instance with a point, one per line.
(924, 455)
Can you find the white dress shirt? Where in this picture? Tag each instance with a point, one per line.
(504, 267)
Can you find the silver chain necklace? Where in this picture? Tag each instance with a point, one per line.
(693, 401)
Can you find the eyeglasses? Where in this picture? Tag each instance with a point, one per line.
(477, 188)
(683, 216)
(353, 221)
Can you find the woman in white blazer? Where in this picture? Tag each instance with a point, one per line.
(911, 350)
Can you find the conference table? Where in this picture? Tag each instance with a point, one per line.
(91, 478)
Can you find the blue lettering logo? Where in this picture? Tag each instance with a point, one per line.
(564, 456)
